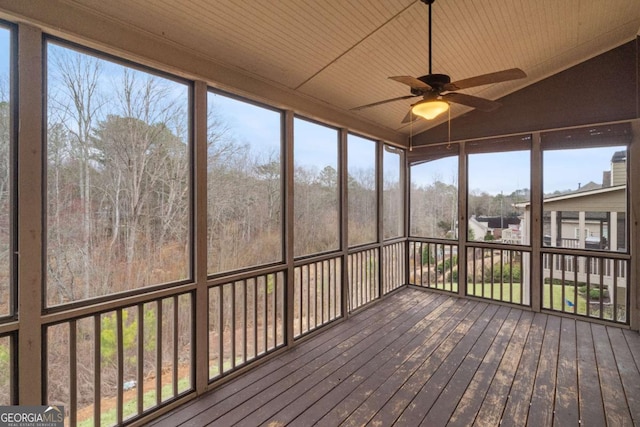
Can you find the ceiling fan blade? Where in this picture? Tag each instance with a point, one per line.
(409, 117)
(412, 82)
(481, 104)
(362, 107)
(485, 79)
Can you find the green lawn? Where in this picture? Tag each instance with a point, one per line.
(484, 290)
(570, 302)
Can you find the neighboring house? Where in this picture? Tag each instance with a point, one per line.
(478, 229)
(592, 217)
(482, 226)
(512, 235)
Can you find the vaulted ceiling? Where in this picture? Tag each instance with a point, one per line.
(340, 52)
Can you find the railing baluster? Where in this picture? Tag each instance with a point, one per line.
(97, 381)
(588, 268)
(601, 287)
(158, 373)
(175, 345)
(563, 303)
(220, 292)
(614, 297)
(310, 299)
(255, 317)
(273, 311)
(140, 361)
(244, 321)
(317, 267)
(120, 363)
(233, 325)
(331, 303)
(265, 315)
(73, 373)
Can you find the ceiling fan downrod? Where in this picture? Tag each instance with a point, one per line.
(429, 2)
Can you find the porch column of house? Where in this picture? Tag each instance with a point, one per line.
(554, 228)
(613, 231)
(581, 226)
(612, 243)
(525, 224)
(581, 240)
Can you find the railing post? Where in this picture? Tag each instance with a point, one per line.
(344, 219)
(30, 155)
(633, 181)
(463, 223)
(535, 228)
(201, 303)
(288, 223)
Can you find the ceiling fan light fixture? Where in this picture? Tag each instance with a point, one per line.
(429, 109)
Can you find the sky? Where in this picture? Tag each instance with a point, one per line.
(4, 52)
(317, 146)
(506, 172)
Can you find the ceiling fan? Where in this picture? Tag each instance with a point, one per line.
(431, 87)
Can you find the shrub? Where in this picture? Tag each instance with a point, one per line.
(594, 293)
(504, 273)
(446, 264)
(427, 258)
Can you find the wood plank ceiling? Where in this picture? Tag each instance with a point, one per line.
(340, 53)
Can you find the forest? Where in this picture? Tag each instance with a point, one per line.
(119, 212)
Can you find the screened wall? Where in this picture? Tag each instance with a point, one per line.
(162, 234)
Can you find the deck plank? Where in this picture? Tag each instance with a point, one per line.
(393, 387)
(448, 399)
(332, 407)
(566, 411)
(364, 364)
(425, 358)
(232, 394)
(628, 370)
(471, 401)
(615, 408)
(590, 405)
(490, 412)
(462, 359)
(376, 387)
(517, 408)
(542, 400)
(266, 402)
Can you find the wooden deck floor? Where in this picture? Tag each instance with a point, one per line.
(419, 358)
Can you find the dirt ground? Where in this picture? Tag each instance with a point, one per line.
(110, 403)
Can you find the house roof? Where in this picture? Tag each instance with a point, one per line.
(337, 54)
(497, 222)
(619, 157)
(606, 199)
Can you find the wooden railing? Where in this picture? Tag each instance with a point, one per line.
(317, 294)
(363, 275)
(136, 355)
(120, 363)
(434, 265)
(586, 284)
(246, 321)
(498, 274)
(393, 271)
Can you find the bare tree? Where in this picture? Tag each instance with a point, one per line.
(76, 103)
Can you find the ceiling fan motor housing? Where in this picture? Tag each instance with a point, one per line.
(436, 81)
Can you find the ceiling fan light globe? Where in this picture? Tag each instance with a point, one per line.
(429, 110)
